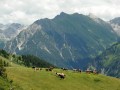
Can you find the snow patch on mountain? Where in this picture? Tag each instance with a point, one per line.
(46, 49)
(69, 49)
(61, 54)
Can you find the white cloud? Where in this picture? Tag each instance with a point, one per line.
(27, 11)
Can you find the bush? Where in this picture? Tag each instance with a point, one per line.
(2, 72)
(4, 53)
(2, 69)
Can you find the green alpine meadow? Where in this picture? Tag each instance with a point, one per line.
(28, 79)
(25, 78)
(59, 44)
(22, 77)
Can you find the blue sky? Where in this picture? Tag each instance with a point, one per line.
(27, 11)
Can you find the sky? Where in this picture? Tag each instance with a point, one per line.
(28, 11)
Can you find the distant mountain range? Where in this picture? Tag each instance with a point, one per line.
(68, 40)
(10, 31)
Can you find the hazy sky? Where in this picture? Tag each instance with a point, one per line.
(27, 11)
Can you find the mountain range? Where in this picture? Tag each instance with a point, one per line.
(9, 31)
(68, 40)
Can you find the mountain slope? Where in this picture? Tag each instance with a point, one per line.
(65, 41)
(115, 23)
(9, 31)
(109, 61)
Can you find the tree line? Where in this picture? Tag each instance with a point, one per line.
(26, 60)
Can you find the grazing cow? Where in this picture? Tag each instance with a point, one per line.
(74, 70)
(64, 69)
(77, 70)
(95, 71)
(49, 69)
(35, 68)
(88, 71)
(61, 75)
(40, 69)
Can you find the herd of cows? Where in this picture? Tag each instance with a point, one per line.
(62, 75)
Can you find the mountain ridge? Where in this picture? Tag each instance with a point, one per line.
(65, 40)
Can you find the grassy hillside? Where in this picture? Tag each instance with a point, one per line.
(28, 79)
(13, 61)
(25, 78)
(4, 84)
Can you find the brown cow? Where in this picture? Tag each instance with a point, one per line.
(49, 69)
(35, 68)
(64, 69)
(88, 71)
(95, 71)
(77, 70)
